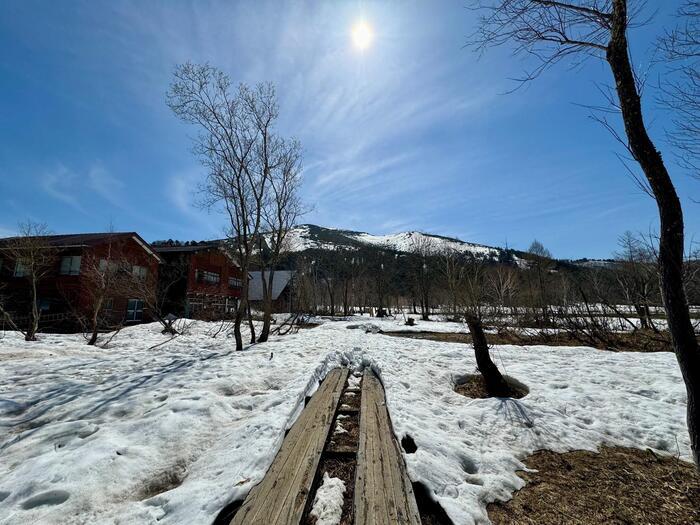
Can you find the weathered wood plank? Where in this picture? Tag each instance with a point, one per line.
(383, 490)
(280, 498)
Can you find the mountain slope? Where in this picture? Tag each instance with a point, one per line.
(309, 236)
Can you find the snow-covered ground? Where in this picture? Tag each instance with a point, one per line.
(171, 434)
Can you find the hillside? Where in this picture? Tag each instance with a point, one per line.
(309, 237)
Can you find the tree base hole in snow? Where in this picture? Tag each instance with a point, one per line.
(228, 512)
(408, 445)
(615, 485)
(431, 512)
(474, 386)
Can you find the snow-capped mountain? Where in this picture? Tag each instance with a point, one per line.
(309, 237)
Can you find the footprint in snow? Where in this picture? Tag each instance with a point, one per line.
(48, 498)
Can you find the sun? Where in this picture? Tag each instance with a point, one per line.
(362, 35)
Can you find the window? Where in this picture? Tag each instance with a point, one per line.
(140, 272)
(234, 282)
(70, 265)
(44, 305)
(112, 265)
(21, 269)
(203, 276)
(134, 310)
(108, 305)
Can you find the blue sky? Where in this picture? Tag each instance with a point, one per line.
(413, 133)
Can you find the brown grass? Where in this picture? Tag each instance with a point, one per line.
(616, 486)
(621, 342)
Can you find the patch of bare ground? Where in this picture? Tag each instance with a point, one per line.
(474, 386)
(163, 481)
(640, 341)
(345, 434)
(615, 486)
(350, 401)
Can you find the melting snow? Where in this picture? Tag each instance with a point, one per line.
(172, 434)
(328, 504)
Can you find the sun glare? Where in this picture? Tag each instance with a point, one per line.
(362, 35)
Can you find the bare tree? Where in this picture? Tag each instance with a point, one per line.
(423, 276)
(102, 275)
(34, 258)
(637, 276)
(452, 269)
(281, 211)
(238, 145)
(553, 30)
(503, 284)
(681, 93)
(539, 265)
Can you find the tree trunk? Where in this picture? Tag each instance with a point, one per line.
(671, 235)
(267, 307)
(33, 327)
(251, 326)
(495, 383)
(267, 322)
(237, 327)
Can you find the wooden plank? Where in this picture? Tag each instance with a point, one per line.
(383, 490)
(280, 498)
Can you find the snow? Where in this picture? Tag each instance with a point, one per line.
(146, 434)
(407, 241)
(328, 504)
(300, 238)
(339, 429)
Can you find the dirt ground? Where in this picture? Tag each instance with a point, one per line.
(474, 387)
(623, 342)
(616, 486)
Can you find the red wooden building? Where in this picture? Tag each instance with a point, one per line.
(200, 280)
(67, 289)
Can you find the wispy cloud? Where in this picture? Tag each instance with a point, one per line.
(63, 184)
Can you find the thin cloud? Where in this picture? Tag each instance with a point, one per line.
(62, 185)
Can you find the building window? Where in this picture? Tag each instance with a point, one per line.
(234, 282)
(134, 310)
(113, 266)
(140, 272)
(108, 305)
(44, 305)
(21, 269)
(70, 265)
(203, 276)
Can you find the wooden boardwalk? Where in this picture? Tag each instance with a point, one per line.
(383, 491)
(280, 498)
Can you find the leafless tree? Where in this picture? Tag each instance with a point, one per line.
(34, 258)
(102, 274)
(282, 208)
(537, 278)
(238, 145)
(681, 90)
(553, 30)
(452, 268)
(502, 284)
(636, 274)
(423, 275)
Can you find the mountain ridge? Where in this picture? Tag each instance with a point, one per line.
(310, 236)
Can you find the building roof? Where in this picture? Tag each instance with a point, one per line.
(195, 247)
(82, 240)
(280, 281)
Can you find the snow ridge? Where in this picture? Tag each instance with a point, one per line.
(309, 237)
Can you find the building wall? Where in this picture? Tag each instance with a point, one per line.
(61, 297)
(195, 297)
